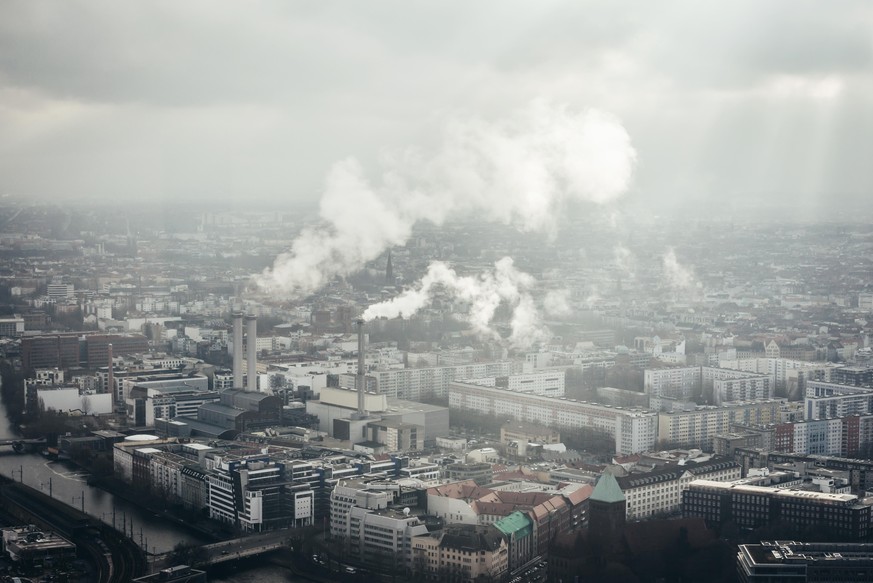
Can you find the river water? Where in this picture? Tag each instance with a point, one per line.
(68, 484)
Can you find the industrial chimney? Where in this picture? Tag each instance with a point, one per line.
(237, 350)
(252, 353)
(361, 378)
(110, 380)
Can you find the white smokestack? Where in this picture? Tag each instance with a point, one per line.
(111, 380)
(237, 351)
(252, 353)
(361, 378)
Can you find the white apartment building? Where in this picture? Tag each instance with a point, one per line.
(698, 427)
(780, 368)
(413, 383)
(747, 387)
(60, 290)
(634, 430)
(826, 400)
(819, 436)
(727, 384)
(673, 382)
(550, 383)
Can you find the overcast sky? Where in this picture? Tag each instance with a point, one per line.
(729, 101)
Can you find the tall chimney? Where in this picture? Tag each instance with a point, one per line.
(361, 379)
(252, 352)
(110, 381)
(237, 350)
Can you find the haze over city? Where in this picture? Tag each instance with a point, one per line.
(483, 293)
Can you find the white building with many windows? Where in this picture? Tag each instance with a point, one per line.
(634, 430)
(659, 492)
(698, 427)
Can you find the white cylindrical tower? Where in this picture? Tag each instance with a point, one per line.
(237, 351)
(361, 378)
(252, 353)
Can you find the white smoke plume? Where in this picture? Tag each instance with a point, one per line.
(481, 295)
(625, 261)
(677, 276)
(523, 171)
(557, 302)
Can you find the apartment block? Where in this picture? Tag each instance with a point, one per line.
(414, 383)
(698, 428)
(827, 400)
(634, 430)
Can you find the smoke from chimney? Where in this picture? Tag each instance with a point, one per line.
(524, 171)
(481, 296)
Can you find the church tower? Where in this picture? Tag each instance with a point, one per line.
(389, 271)
(606, 507)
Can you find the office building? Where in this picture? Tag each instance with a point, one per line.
(383, 536)
(50, 351)
(251, 493)
(756, 506)
(798, 562)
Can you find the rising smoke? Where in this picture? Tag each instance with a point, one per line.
(479, 296)
(522, 171)
(677, 276)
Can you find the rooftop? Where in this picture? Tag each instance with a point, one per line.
(607, 489)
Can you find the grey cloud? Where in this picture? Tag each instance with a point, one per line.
(196, 98)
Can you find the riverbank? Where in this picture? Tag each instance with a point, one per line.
(205, 527)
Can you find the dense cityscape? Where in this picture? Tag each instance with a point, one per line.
(492, 292)
(682, 403)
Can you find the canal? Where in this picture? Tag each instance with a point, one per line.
(69, 484)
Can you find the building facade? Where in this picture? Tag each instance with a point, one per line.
(698, 428)
(634, 430)
(756, 506)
